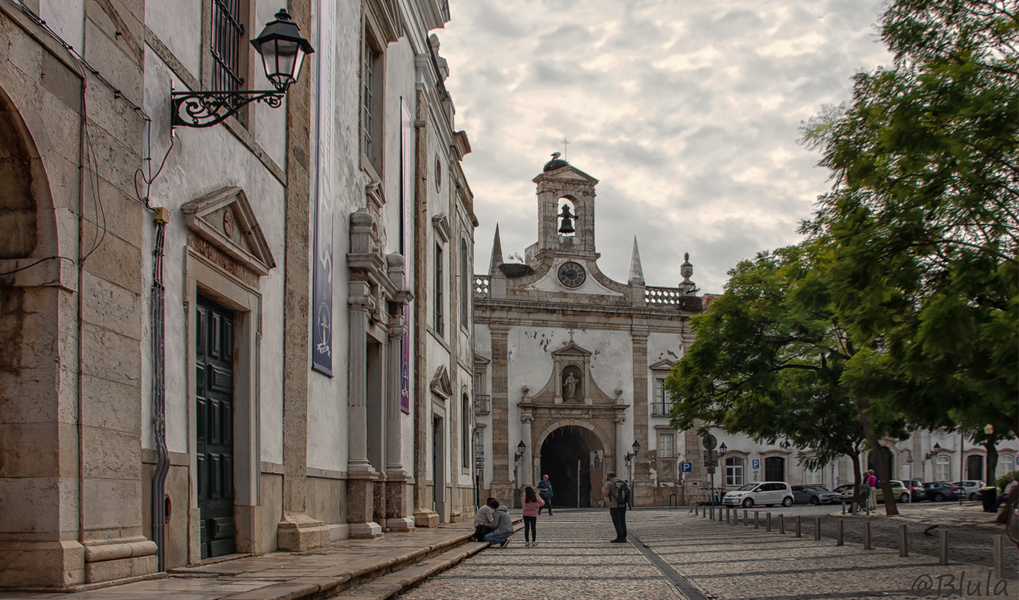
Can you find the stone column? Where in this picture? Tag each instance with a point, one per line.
(297, 531)
(526, 478)
(360, 474)
(396, 476)
(502, 485)
(642, 491)
(619, 460)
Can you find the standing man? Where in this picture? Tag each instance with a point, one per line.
(617, 510)
(545, 491)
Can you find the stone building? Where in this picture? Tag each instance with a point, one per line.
(569, 364)
(570, 369)
(231, 339)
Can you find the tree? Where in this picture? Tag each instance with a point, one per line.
(768, 360)
(923, 219)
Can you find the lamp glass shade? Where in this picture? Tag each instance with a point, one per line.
(722, 449)
(636, 446)
(521, 447)
(283, 50)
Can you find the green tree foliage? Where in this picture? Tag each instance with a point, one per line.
(768, 360)
(922, 224)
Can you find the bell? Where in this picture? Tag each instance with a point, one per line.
(567, 224)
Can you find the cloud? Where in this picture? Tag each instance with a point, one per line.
(686, 112)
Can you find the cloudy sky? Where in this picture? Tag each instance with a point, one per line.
(687, 112)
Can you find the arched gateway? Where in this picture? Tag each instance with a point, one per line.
(572, 457)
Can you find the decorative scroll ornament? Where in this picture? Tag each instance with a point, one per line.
(205, 109)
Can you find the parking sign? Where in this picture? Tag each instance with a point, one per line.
(756, 463)
(687, 467)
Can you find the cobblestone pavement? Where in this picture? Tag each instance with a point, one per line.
(675, 554)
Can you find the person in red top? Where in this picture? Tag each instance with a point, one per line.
(532, 504)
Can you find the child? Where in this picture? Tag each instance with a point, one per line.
(532, 504)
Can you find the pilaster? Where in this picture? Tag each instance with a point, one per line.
(502, 485)
(642, 490)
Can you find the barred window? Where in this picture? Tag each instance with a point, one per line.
(229, 47)
(465, 432)
(660, 405)
(465, 285)
(439, 324)
(371, 102)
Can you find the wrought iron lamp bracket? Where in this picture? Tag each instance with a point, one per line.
(205, 109)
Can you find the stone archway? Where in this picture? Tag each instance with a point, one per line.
(572, 457)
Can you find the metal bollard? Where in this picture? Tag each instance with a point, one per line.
(999, 556)
(839, 530)
(798, 532)
(757, 519)
(781, 523)
(712, 509)
(746, 518)
(726, 514)
(943, 550)
(843, 508)
(769, 520)
(817, 529)
(866, 536)
(903, 541)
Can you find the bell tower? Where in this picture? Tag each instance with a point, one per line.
(565, 211)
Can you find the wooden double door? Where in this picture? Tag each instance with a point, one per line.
(214, 412)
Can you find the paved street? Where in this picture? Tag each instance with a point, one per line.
(675, 554)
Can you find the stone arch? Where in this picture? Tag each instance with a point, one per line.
(575, 461)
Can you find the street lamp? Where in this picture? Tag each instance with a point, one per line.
(282, 49)
(629, 459)
(721, 453)
(521, 448)
(933, 452)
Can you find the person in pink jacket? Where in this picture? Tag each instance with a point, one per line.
(531, 503)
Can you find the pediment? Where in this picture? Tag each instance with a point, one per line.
(571, 349)
(441, 385)
(224, 219)
(663, 365)
(567, 172)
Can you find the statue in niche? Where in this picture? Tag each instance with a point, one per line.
(570, 387)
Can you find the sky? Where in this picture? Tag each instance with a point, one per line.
(688, 113)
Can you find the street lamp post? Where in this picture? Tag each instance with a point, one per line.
(629, 462)
(521, 448)
(933, 454)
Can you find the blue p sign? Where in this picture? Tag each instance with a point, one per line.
(756, 463)
(687, 467)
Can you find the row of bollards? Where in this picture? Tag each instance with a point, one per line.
(732, 516)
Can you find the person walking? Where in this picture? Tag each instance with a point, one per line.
(502, 527)
(532, 504)
(483, 520)
(545, 492)
(872, 496)
(617, 510)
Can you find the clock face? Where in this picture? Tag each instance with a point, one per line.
(571, 274)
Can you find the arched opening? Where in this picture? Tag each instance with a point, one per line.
(20, 175)
(566, 219)
(570, 457)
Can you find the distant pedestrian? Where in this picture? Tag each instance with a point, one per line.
(502, 527)
(532, 504)
(545, 492)
(617, 510)
(483, 519)
(1010, 485)
(872, 496)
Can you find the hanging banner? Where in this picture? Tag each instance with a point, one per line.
(322, 268)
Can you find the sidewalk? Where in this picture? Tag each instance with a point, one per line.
(322, 573)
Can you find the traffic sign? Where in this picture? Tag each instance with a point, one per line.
(686, 467)
(755, 463)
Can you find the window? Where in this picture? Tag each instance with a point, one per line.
(666, 445)
(371, 101)
(1006, 464)
(660, 405)
(812, 477)
(733, 471)
(465, 431)
(439, 327)
(465, 285)
(943, 468)
(229, 47)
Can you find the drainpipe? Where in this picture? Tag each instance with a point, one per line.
(159, 499)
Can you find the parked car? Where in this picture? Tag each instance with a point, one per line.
(939, 491)
(899, 491)
(845, 492)
(813, 494)
(916, 490)
(970, 488)
(768, 493)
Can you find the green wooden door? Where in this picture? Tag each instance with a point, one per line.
(214, 424)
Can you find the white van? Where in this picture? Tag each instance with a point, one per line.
(768, 493)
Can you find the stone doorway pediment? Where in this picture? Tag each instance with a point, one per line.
(441, 385)
(224, 219)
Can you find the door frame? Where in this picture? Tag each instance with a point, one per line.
(207, 279)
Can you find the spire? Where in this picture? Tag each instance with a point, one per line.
(636, 271)
(493, 266)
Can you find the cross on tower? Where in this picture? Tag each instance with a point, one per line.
(565, 142)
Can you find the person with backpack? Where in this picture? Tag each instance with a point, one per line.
(532, 504)
(483, 520)
(617, 496)
(502, 527)
(545, 492)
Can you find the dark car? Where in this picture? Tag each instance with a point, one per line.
(813, 494)
(938, 491)
(916, 491)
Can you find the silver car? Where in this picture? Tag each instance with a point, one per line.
(970, 488)
(814, 494)
(768, 493)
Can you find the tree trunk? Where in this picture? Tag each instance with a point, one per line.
(883, 476)
(992, 459)
(857, 477)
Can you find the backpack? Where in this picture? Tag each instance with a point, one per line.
(622, 495)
